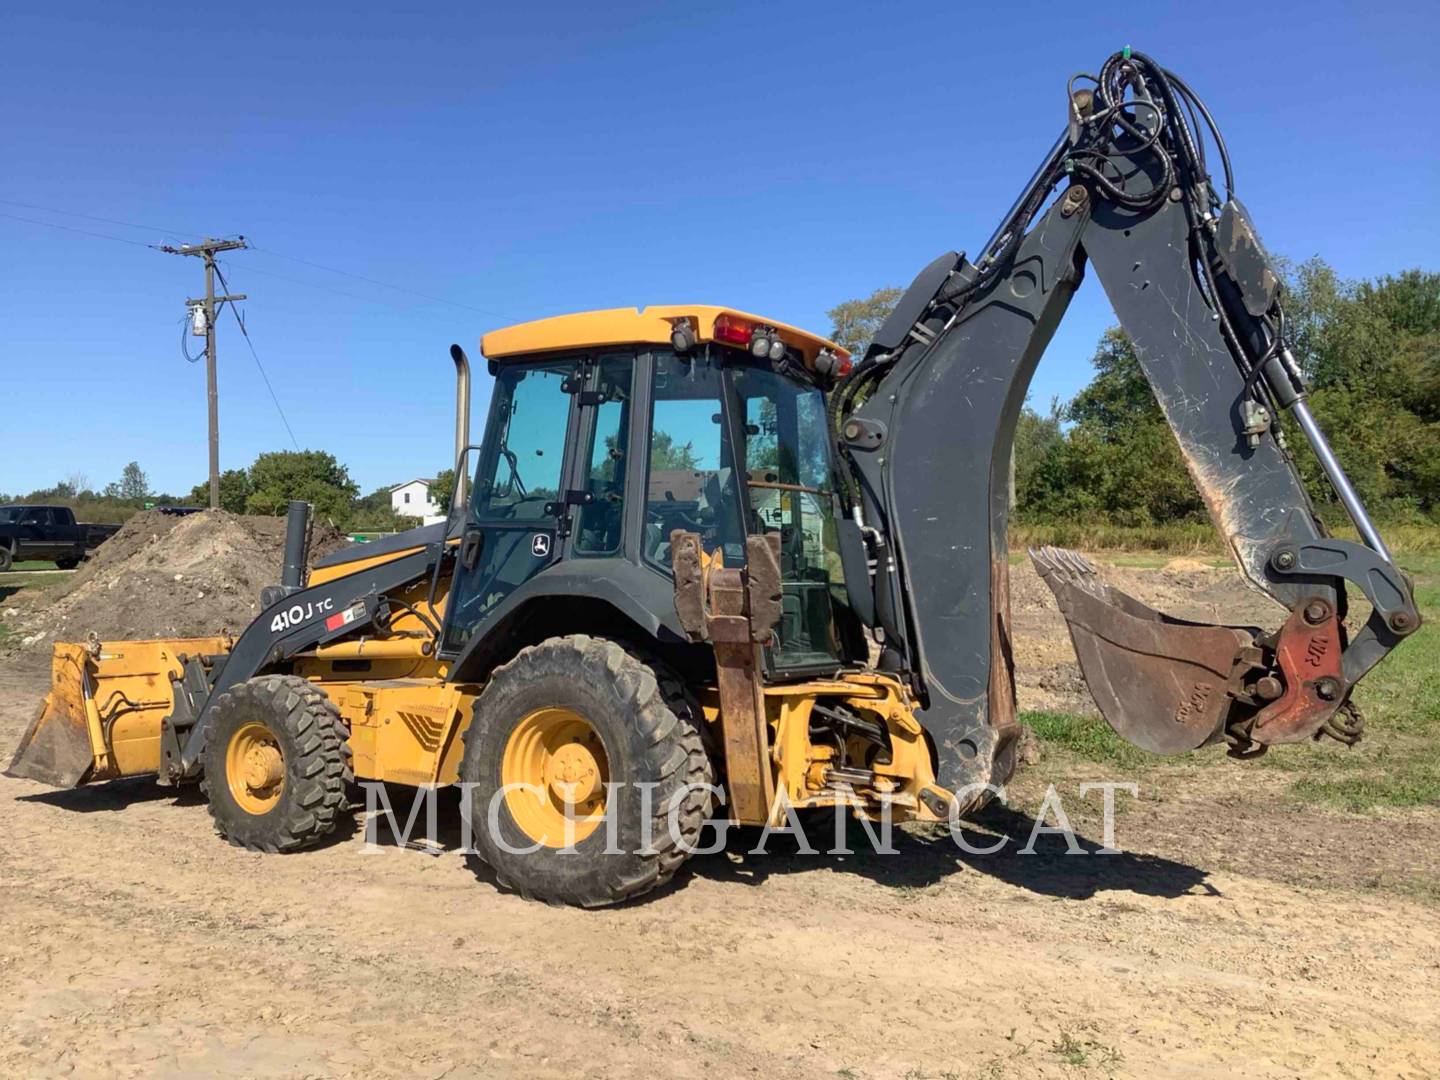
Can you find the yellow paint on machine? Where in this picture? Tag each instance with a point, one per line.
(322, 574)
(637, 326)
(404, 730)
(101, 718)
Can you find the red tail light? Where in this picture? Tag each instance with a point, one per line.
(733, 331)
(843, 367)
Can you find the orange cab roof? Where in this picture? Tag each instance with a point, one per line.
(636, 326)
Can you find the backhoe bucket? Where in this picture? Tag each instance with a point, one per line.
(1164, 684)
(102, 717)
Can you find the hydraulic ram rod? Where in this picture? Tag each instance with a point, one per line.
(1339, 481)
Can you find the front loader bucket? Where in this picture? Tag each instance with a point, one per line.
(103, 714)
(1164, 684)
(56, 748)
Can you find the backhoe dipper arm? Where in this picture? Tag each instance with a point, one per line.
(926, 423)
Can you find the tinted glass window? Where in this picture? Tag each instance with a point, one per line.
(520, 473)
(598, 531)
(787, 455)
(691, 483)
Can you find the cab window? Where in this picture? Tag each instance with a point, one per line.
(787, 469)
(691, 481)
(601, 520)
(522, 471)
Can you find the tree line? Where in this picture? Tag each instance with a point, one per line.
(268, 485)
(1371, 352)
(264, 488)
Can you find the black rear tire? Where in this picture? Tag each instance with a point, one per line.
(645, 741)
(7, 557)
(305, 726)
(67, 564)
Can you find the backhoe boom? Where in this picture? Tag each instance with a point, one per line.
(927, 420)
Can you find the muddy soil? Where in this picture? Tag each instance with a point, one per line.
(1235, 934)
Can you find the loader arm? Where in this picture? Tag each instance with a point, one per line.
(926, 421)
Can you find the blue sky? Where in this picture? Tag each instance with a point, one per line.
(525, 160)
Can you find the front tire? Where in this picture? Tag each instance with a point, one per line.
(7, 557)
(276, 764)
(584, 723)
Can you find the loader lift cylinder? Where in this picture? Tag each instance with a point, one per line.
(297, 544)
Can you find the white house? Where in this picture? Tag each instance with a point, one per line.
(413, 498)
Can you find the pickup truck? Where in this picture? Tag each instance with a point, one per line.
(47, 532)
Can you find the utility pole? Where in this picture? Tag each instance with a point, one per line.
(207, 250)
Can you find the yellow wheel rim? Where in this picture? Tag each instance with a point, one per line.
(255, 769)
(554, 764)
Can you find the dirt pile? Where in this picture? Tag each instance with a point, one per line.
(164, 575)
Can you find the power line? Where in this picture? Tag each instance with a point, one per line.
(82, 232)
(358, 297)
(264, 251)
(259, 366)
(382, 284)
(93, 217)
(317, 285)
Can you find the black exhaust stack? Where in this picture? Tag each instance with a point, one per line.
(297, 546)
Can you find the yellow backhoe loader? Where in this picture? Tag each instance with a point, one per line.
(687, 526)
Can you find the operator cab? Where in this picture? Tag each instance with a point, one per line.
(608, 430)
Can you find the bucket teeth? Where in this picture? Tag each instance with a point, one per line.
(1056, 560)
(1061, 566)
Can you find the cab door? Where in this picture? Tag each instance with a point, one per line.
(35, 537)
(519, 498)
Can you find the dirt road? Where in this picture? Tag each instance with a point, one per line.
(1238, 934)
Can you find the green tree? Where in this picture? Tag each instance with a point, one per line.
(1118, 460)
(374, 505)
(375, 512)
(664, 454)
(1372, 353)
(1039, 449)
(312, 475)
(442, 489)
(234, 490)
(854, 323)
(134, 484)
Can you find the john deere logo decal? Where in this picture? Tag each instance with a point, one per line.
(540, 545)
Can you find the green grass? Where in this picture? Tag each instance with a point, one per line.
(1398, 763)
(1083, 1053)
(10, 584)
(1088, 737)
(33, 564)
(1192, 538)
(1412, 784)
(1403, 693)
